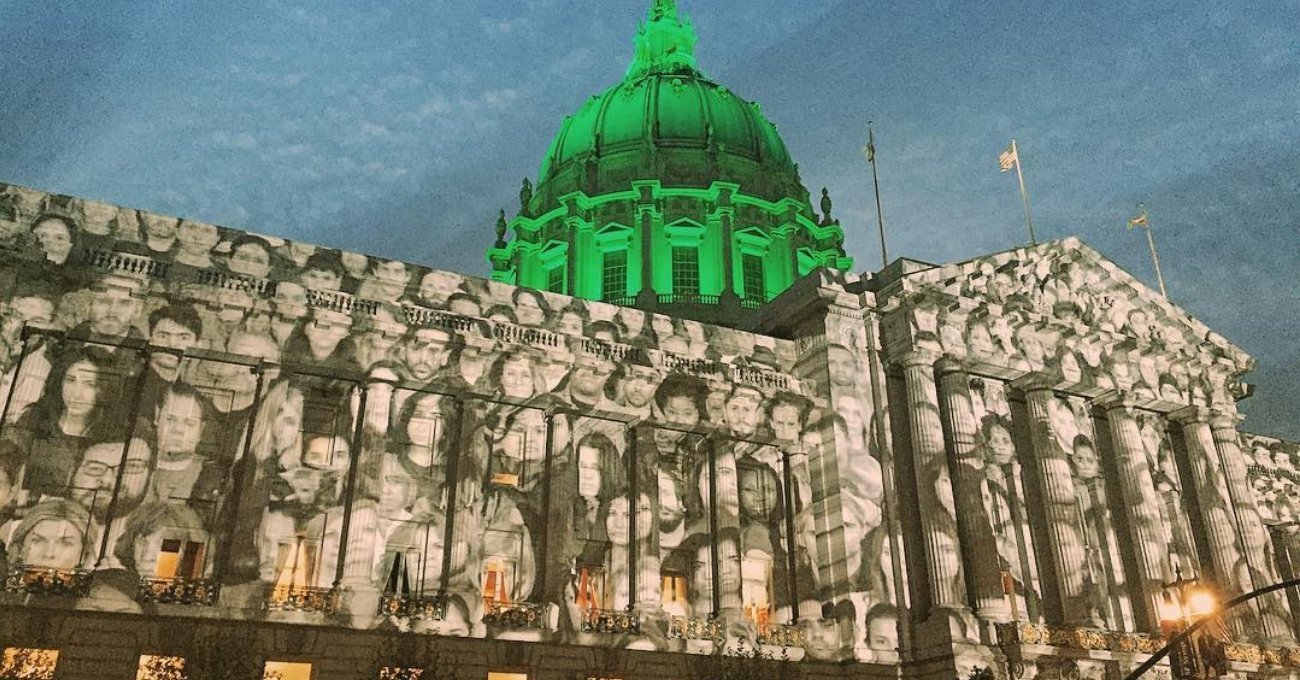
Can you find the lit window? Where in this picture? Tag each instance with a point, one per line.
(686, 270)
(502, 553)
(756, 585)
(499, 675)
(673, 593)
(592, 588)
(179, 559)
(295, 567)
(160, 668)
(28, 663)
(753, 276)
(613, 282)
(557, 279)
(286, 670)
(498, 581)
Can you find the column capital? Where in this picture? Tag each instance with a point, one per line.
(949, 364)
(918, 357)
(1189, 415)
(1115, 400)
(1225, 420)
(1034, 382)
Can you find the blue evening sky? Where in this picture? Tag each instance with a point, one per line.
(400, 127)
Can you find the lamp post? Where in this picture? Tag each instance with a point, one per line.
(1198, 655)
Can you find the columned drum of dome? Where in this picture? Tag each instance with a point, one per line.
(670, 193)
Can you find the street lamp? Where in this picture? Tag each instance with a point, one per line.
(1197, 656)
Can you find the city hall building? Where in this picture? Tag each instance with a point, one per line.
(673, 436)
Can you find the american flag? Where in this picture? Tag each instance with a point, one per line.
(1008, 158)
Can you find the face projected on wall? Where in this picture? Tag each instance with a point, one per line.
(422, 428)
(728, 502)
(79, 388)
(1084, 459)
(997, 440)
(588, 471)
(678, 410)
(52, 543)
(517, 377)
(742, 411)
(785, 422)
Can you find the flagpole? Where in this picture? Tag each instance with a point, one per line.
(1024, 193)
(1144, 222)
(875, 180)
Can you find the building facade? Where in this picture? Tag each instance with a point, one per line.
(224, 445)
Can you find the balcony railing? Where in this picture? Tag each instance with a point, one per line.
(415, 608)
(687, 299)
(610, 621)
(302, 599)
(779, 635)
(515, 615)
(192, 591)
(692, 628)
(47, 581)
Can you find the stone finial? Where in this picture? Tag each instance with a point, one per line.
(826, 206)
(501, 229)
(525, 197)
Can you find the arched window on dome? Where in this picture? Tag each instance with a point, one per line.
(614, 243)
(751, 266)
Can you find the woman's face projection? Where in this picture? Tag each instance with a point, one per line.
(422, 428)
(517, 378)
(53, 543)
(79, 388)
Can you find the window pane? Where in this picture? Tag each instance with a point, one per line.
(686, 271)
(614, 275)
(753, 276)
(29, 663)
(497, 675)
(160, 668)
(556, 279)
(286, 670)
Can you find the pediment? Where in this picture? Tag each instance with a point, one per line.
(1062, 308)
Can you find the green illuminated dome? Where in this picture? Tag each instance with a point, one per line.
(674, 124)
(670, 193)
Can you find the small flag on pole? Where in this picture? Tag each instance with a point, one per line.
(1139, 221)
(1008, 158)
(870, 148)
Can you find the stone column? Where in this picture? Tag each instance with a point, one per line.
(974, 526)
(1060, 505)
(946, 585)
(1274, 614)
(1146, 537)
(1217, 523)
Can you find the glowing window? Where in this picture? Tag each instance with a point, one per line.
(756, 589)
(557, 279)
(29, 663)
(753, 277)
(179, 559)
(592, 589)
(295, 567)
(686, 270)
(160, 668)
(286, 670)
(613, 281)
(673, 593)
(499, 675)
